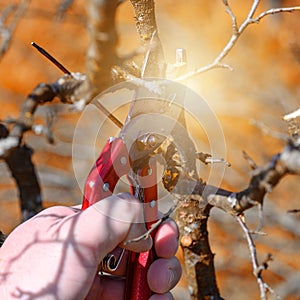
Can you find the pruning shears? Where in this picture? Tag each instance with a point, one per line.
(154, 127)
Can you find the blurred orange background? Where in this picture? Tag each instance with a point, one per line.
(264, 85)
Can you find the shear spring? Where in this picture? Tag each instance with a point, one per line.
(110, 263)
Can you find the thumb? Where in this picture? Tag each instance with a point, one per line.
(111, 221)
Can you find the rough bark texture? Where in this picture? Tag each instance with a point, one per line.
(148, 32)
(198, 257)
(263, 181)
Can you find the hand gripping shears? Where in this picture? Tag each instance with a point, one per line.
(155, 126)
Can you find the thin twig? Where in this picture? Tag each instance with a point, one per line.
(7, 32)
(153, 227)
(274, 11)
(293, 211)
(63, 8)
(268, 131)
(263, 287)
(232, 16)
(236, 33)
(250, 161)
(253, 9)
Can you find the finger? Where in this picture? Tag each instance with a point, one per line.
(166, 239)
(166, 296)
(107, 223)
(164, 274)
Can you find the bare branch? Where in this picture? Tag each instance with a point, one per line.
(214, 65)
(63, 8)
(232, 16)
(153, 227)
(148, 32)
(250, 161)
(268, 131)
(273, 11)
(263, 180)
(257, 269)
(7, 32)
(253, 9)
(101, 54)
(236, 33)
(72, 89)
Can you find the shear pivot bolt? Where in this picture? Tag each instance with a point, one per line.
(105, 187)
(151, 140)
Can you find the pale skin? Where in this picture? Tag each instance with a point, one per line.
(55, 255)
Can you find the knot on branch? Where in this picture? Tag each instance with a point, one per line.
(263, 266)
(73, 88)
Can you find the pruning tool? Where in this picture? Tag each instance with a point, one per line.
(155, 118)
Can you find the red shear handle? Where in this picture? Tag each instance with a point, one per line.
(138, 264)
(112, 163)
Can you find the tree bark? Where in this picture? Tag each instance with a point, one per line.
(198, 257)
(101, 54)
(147, 28)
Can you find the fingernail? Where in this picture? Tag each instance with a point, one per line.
(173, 276)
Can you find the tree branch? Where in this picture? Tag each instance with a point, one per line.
(236, 33)
(71, 89)
(193, 212)
(7, 32)
(263, 180)
(273, 11)
(101, 54)
(154, 64)
(257, 269)
(194, 241)
(63, 8)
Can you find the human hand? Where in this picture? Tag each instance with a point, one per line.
(55, 255)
